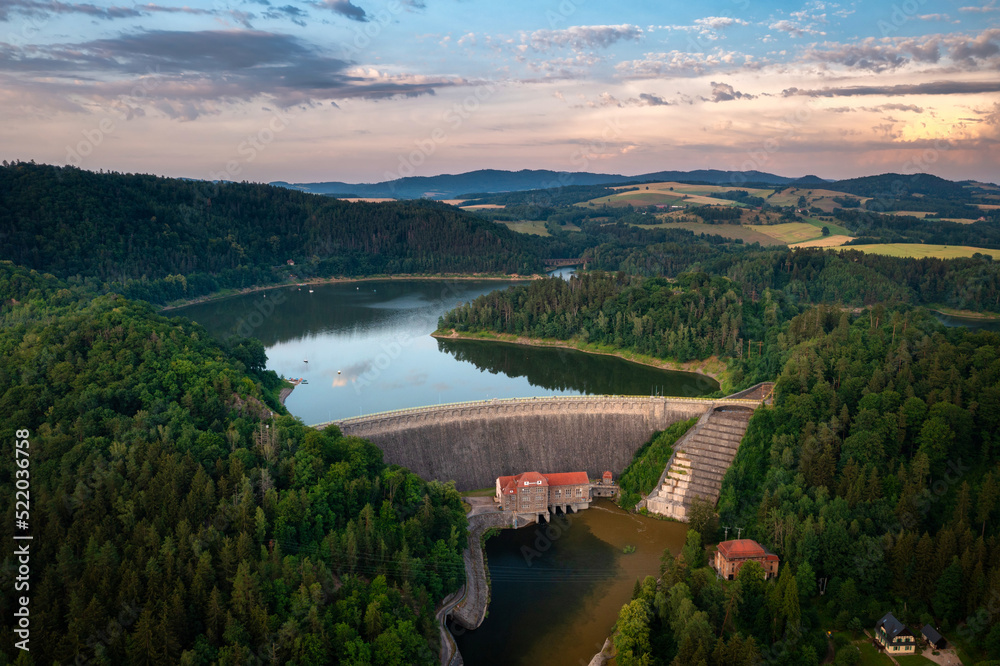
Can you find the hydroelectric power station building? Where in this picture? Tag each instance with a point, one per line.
(543, 494)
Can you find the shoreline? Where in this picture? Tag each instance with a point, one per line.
(693, 367)
(964, 314)
(221, 295)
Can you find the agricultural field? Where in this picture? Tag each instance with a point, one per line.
(822, 199)
(636, 198)
(671, 193)
(826, 241)
(910, 213)
(921, 250)
(734, 231)
(533, 227)
(793, 232)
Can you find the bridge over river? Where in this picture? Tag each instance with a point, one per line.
(472, 443)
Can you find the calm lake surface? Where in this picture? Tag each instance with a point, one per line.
(556, 595)
(365, 347)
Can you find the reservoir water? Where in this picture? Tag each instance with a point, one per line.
(365, 347)
(557, 591)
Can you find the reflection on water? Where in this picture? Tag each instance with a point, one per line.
(952, 321)
(569, 370)
(365, 347)
(556, 591)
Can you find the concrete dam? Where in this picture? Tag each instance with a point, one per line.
(473, 443)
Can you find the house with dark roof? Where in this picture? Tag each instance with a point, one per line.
(733, 554)
(933, 637)
(536, 493)
(893, 636)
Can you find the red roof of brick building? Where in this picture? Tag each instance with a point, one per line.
(509, 484)
(567, 478)
(742, 548)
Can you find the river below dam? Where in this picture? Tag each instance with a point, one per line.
(557, 590)
(364, 347)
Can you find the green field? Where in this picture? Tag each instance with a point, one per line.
(533, 227)
(792, 232)
(639, 198)
(835, 229)
(748, 234)
(921, 250)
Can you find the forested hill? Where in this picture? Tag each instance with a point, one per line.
(174, 521)
(131, 232)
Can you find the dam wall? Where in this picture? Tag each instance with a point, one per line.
(474, 443)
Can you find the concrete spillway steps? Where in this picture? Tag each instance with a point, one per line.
(699, 463)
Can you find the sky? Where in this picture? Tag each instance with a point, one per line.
(373, 90)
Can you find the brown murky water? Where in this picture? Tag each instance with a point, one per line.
(557, 590)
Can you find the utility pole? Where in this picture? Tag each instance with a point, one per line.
(727, 532)
(739, 531)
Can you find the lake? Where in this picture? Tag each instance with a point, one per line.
(365, 347)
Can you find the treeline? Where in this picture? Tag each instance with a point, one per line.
(553, 196)
(161, 238)
(693, 317)
(875, 228)
(179, 515)
(876, 469)
(815, 275)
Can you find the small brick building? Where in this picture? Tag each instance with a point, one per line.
(731, 555)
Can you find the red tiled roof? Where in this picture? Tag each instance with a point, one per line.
(567, 478)
(531, 479)
(739, 548)
(606, 475)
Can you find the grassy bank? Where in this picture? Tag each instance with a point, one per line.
(711, 367)
(646, 468)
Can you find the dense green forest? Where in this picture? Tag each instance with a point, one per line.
(159, 239)
(179, 515)
(875, 473)
(877, 469)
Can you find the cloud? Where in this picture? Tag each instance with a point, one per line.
(723, 92)
(581, 37)
(650, 99)
(981, 9)
(934, 17)
(719, 22)
(290, 12)
(188, 73)
(345, 8)
(932, 88)
(42, 8)
(794, 29)
(653, 65)
(888, 53)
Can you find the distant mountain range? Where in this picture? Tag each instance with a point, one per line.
(452, 186)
